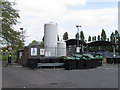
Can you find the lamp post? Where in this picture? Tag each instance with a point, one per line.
(78, 46)
(22, 36)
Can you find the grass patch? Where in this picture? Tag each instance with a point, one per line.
(5, 57)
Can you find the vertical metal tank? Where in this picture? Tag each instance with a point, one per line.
(50, 39)
(61, 48)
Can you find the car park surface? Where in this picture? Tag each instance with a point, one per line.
(105, 76)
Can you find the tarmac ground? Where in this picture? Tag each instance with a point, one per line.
(16, 76)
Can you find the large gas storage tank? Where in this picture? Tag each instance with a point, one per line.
(50, 39)
(61, 48)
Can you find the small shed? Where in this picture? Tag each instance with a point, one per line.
(72, 44)
(22, 55)
(102, 43)
(34, 51)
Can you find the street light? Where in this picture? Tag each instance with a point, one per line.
(78, 46)
(22, 36)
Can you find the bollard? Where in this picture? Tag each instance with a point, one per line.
(103, 60)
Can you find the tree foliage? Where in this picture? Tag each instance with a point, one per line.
(77, 36)
(82, 37)
(34, 42)
(112, 37)
(89, 39)
(94, 38)
(116, 36)
(103, 35)
(9, 18)
(65, 36)
(98, 38)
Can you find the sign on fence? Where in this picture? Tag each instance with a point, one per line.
(42, 52)
(10, 48)
(33, 51)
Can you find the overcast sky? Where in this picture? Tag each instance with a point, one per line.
(93, 16)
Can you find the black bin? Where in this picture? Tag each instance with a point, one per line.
(32, 62)
(80, 64)
(44, 60)
(99, 62)
(110, 60)
(73, 64)
(67, 64)
(118, 60)
(95, 63)
(55, 60)
(70, 64)
(115, 60)
(87, 64)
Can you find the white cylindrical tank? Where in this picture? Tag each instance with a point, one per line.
(61, 48)
(50, 39)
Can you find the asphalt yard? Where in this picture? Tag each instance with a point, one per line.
(105, 76)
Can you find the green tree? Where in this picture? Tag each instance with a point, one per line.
(9, 18)
(93, 38)
(82, 38)
(34, 42)
(65, 36)
(116, 36)
(23, 36)
(112, 37)
(77, 36)
(103, 35)
(89, 39)
(42, 44)
(98, 38)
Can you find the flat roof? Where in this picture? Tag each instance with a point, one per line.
(101, 43)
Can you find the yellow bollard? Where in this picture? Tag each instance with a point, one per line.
(103, 60)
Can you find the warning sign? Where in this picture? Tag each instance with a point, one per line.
(41, 51)
(33, 51)
(9, 48)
